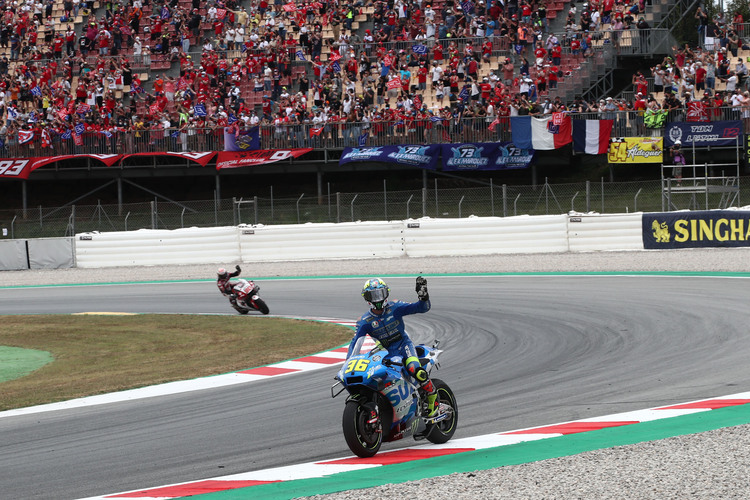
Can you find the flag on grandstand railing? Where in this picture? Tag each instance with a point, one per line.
(436, 119)
(697, 112)
(417, 102)
(46, 139)
(419, 49)
(106, 133)
(36, 91)
(300, 55)
(394, 83)
(494, 124)
(80, 129)
(175, 134)
(78, 139)
(541, 134)
(335, 67)
(83, 108)
(231, 119)
(592, 136)
(290, 7)
(396, 124)
(315, 131)
(67, 134)
(25, 136)
(362, 139)
(199, 110)
(242, 140)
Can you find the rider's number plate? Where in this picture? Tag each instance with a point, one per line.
(357, 365)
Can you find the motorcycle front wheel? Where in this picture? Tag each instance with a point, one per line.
(442, 431)
(364, 439)
(261, 305)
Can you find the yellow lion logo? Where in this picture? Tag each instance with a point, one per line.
(661, 232)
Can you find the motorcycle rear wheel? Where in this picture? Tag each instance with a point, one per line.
(362, 438)
(442, 431)
(261, 305)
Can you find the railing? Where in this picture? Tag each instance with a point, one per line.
(334, 135)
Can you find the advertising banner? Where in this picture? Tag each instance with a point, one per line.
(636, 150)
(721, 228)
(724, 133)
(485, 156)
(21, 168)
(202, 158)
(413, 156)
(226, 159)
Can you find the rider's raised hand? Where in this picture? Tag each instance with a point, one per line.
(421, 289)
(237, 268)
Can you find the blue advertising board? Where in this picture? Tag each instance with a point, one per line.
(723, 133)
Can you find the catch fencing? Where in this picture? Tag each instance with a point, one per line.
(489, 200)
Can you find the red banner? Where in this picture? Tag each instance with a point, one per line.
(20, 168)
(394, 84)
(202, 158)
(232, 159)
(290, 7)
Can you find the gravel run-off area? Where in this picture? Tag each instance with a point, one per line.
(709, 465)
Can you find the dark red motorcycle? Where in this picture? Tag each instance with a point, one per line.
(246, 298)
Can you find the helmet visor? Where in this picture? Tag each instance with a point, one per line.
(376, 295)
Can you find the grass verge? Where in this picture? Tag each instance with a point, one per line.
(100, 354)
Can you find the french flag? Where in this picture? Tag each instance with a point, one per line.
(541, 134)
(592, 136)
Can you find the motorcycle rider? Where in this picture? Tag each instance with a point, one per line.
(383, 322)
(224, 283)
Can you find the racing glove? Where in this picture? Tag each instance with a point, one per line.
(421, 289)
(237, 268)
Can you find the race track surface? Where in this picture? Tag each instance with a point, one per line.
(520, 351)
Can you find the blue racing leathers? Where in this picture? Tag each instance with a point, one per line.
(388, 328)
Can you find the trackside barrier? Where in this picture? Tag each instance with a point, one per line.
(149, 247)
(359, 240)
(587, 232)
(350, 240)
(39, 253)
(485, 235)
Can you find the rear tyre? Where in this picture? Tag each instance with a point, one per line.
(442, 431)
(364, 439)
(261, 305)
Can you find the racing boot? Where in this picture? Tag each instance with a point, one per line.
(432, 404)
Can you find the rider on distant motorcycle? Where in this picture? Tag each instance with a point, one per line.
(226, 286)
(384, 323)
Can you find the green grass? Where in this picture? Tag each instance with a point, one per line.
(100, 354)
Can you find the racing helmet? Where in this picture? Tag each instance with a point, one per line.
(375, 292)
(222, 274)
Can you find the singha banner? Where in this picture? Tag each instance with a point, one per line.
(721, 228)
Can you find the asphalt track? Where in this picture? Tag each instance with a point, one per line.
(520, 351)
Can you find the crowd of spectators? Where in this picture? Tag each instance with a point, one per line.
(84, 81)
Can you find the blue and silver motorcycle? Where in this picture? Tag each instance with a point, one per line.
(385, 403)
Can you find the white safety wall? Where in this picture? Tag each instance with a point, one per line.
(150, 247)
(350, 240)
(485, 235)
(359, 240)
(590, 232)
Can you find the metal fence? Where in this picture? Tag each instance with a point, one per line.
(434, 201)
(337, 135)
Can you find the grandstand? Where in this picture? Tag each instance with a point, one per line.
(148, 77)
